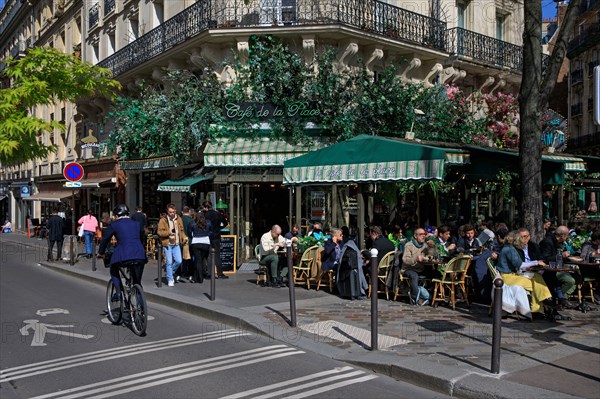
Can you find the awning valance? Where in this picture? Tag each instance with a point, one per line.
(457, 157)
(149, 163)
(571, 164)
(366, 159)
(183, 184)
(251, 153)
(50, 196)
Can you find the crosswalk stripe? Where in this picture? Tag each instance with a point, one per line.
(286, 383)
(116, 354)
(309, 385)
(111, 350)
(172, 370)
(331, 387)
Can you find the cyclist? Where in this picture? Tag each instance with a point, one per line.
(129, 249)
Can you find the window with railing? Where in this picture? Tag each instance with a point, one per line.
(94, 15)
(109, 6)
(576, 76)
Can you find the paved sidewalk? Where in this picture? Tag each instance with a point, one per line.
(438, 348)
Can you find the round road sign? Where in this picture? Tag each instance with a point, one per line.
(73, 171)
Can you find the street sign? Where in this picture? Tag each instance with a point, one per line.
(73, 171)
(73, 184)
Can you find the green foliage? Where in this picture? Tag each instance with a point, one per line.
(43, 77)
(308, 241)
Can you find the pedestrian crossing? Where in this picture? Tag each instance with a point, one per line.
(314, 384)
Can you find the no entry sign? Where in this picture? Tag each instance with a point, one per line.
(73, 171)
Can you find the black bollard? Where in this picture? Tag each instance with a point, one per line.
(374, 281)
(212, 274)
(497, 325)
(159, 250)
(94, 254)
(72, 250)
(288, 243)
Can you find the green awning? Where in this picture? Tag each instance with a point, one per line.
(571, 164)
(183, 184)
(366, 159)
(147, 163)
(456, 156)
(251, 153)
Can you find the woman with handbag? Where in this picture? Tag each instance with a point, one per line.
(200, 229)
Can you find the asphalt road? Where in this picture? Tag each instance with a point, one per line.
(56, 342)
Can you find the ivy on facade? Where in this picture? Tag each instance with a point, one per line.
(188, 109)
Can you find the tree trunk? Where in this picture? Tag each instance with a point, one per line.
(536, 86)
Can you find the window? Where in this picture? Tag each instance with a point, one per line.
(277, 12)
(111, 44)
(461, 15)
(158, 14)
(133, 31)
(500, 20)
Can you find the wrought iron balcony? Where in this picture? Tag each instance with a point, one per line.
(109, 6)
(94, 15)
(372, 16)
(576, 76)
(485, 49)
(589, 37)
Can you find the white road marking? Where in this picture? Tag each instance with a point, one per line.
(113, 353)
(147, 379)
(41, 329)
(46, 312)
(331, 387)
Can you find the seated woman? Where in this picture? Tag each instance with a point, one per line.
(509, 265)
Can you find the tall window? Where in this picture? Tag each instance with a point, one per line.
(111, 44)
(500, 20)
(133, 31)
(461, 15)
(158, 15)
(277, 12)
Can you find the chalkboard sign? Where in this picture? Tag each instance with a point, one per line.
(229, 253)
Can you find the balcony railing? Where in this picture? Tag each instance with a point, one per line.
(368, 15)
(94, 15)
(485, 49)
(576, 109)
(586, 39)
(576, 76)
(109, 6)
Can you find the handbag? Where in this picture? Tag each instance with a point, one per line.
(80, 234)
(186, 252)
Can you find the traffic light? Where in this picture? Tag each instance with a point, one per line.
(597, 95)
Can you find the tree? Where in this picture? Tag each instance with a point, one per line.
(44, 76)
(536, 86)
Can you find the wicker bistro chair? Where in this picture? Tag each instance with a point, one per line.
(453, 276)
(303, 270)
(383, 269)
(261, 271)
(327, 277)
(151, 247)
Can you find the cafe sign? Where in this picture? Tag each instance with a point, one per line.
(268, 111)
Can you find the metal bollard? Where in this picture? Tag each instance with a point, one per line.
(72, 250)
(374, 281)
(159, 257)
(292, 290)
(497, 325)
(94, 254)
(212, 274)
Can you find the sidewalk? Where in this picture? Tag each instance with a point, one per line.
(438, 348)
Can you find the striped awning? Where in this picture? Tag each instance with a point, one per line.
(251, 153)
(457, 157)
(149, 163)
(366, 159)
(183, 184)
(50, 196)
(571, 164)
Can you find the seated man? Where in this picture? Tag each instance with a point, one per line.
(552, 251)
(445, 241)
(413, 254)
(330, 257)
(295, 233)
(468, 244)
(316, 231)
(271, 242)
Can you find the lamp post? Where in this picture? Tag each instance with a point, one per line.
(410, 135)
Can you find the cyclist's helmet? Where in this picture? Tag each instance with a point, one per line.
(121, 210)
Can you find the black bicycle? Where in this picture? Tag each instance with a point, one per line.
(127, 302)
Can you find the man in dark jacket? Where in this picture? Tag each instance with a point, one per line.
(140, 217)
(553, 250)
(332, 249)
(55, 228)
(216, 219)
(531, 251)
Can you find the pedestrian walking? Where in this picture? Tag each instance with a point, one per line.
(55, 228)
(170, 230)
(217, 220)
(89, 223)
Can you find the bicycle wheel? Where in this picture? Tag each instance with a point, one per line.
(114, 303)
(138, 310)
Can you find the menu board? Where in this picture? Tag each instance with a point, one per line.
(229, 253)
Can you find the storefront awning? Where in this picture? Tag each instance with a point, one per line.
(251, 153)
(149, 163)
(97, 182)
(571, 164)
(366, 159)
(184, 183)
(457, 157)
(50, 196)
